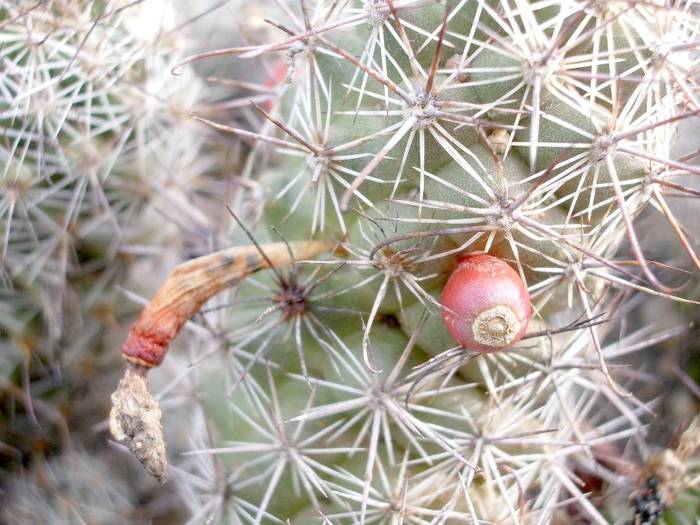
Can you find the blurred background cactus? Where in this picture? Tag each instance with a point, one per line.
(559, 136)
(98, 157)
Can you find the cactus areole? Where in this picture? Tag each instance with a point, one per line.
(485, 304)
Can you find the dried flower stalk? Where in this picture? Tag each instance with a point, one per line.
(135, 415)
(193, 283)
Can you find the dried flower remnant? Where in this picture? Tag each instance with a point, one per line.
(192, 283)
(135, 415)
(666, 476)
(135, 420)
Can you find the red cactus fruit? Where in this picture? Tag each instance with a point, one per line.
(485, 304)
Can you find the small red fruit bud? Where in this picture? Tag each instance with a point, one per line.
(485, 303)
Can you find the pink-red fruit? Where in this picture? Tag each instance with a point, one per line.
(485, 304)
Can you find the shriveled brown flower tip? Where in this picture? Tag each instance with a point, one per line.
(135, 421)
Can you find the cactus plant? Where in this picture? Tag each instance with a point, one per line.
(536, 132)
(403, 139)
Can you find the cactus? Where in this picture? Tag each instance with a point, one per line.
(411, 134)
(324, 386)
